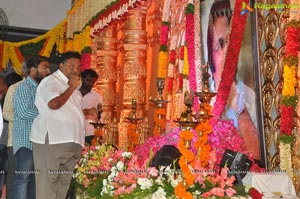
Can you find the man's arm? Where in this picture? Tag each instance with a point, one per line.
(23, 104)
(60, 100)
(8, 107)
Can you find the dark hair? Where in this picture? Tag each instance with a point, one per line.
(89, 72)
(34, 61)
(12, 78)
(218, 9)
(68, 55)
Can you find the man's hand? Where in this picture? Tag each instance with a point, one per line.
(74, 81)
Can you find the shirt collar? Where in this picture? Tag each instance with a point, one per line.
(61, 75)
(32, 81)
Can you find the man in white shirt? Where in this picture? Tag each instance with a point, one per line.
(90, 99)
(58, 131)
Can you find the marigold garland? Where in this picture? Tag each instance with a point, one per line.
(290, 81)
(204, 148)
(185, 138)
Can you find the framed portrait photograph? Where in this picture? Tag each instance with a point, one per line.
(243, 105)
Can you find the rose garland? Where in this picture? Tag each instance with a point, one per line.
(190, 37)
(181, 64)
(237, 27)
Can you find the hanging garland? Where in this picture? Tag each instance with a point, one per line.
(238, 21)
(204, 148)
(289, 99)
(186, 158)
(12, 51)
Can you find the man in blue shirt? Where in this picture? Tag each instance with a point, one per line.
(24, 113)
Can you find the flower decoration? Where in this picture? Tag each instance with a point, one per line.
(237, 25)
(225, 136)
(186, 158)
(288, 100)
(255, 194)
(204, 148)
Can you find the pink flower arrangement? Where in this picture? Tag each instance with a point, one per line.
(222, 185)
(225, 136)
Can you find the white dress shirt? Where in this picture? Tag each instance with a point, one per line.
(90, 100)
(1, 122)
(66, 124)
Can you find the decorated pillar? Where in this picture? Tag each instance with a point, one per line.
(104, 61)
(134, 69)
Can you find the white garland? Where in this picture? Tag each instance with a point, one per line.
(166, 11)
(197, 42)
(286, 159)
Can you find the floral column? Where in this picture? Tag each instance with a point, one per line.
(134, 72)
(289, 98)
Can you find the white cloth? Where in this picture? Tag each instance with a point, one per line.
(90, 100)
(271, 183)
(66, 124)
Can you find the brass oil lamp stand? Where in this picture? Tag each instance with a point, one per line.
(98, 125)
(133, 119)
(187, 119)
(159, 102)
(205, 97)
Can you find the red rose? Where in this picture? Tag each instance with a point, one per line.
(255, 194)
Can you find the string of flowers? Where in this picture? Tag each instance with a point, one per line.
(203, 130)
(186, 158)
(180, 68)
(170, 77)
(189, 37)
(160, 113)
(190, 43)
(133, 137)
(237, 26)
(185, 71)
(289, 99)
(11, 51)
(197, 43)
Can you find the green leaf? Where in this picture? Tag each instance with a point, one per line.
(189, 9)
(289, 101)
(286, 139)
(86, 49)
(31, 48)
(163, 48)
(290, 60)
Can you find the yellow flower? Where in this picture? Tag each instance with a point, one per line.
(162, 64)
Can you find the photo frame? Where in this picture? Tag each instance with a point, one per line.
(244, 101)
